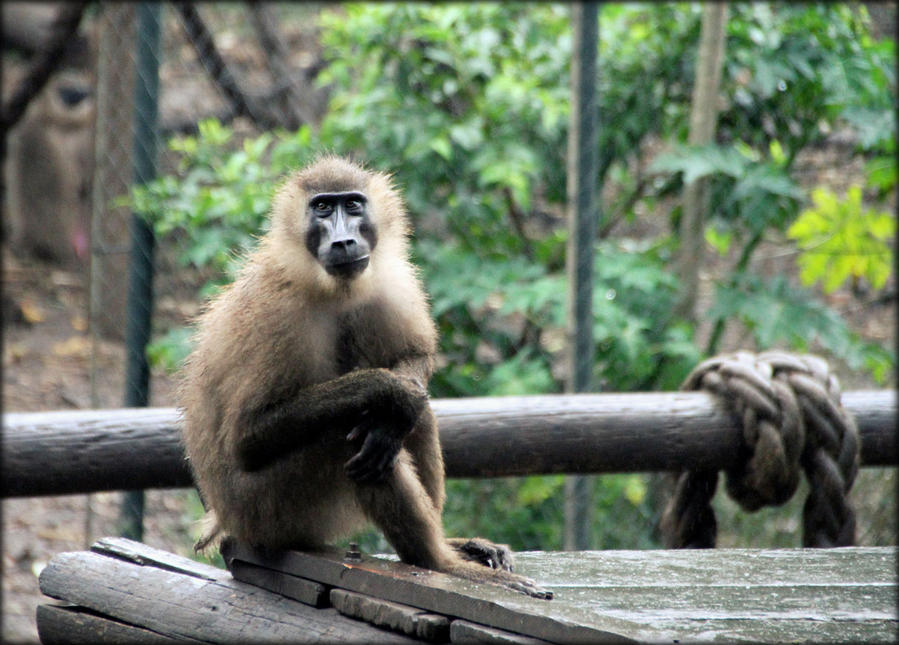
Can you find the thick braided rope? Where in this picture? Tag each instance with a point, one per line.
(791, 414)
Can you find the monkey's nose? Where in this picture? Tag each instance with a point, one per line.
(347, 245)
(346, 258)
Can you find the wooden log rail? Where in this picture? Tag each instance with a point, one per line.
(59, 453)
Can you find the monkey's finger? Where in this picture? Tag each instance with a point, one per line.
(365, 452)
(385, 464)
(364, 426)
(360, 466)
(374, 468)
(374, 460)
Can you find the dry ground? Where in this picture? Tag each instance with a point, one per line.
(46, 366)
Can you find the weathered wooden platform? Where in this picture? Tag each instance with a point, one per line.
(123, 591)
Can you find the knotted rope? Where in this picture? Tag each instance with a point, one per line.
(792, 416)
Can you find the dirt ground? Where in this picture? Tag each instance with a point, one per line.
(46, 366)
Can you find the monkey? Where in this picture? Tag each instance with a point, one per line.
(304, 400)
(49, 171)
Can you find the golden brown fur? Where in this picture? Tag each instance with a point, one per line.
(280, 333)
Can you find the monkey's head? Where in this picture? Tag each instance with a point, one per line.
(339, 221)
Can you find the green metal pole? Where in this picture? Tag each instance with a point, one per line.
(140, 281)
(582, 224)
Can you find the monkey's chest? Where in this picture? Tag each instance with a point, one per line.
(360, 342)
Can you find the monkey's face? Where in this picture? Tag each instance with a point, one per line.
(340, 234)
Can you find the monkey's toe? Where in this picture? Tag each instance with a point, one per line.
(485, 552)
(526, 586)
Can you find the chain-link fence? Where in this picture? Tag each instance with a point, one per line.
(153, 71)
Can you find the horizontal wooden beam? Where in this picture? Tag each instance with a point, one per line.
(58, 453)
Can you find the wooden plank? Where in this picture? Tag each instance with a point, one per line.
(432, 628)
(305, 591)
(782, 595)
(144, 555)
(845, 594)
(58, 453)
(186, 607)
(440, 593)
(75, 626)
(462, 631)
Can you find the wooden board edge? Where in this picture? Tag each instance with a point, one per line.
(421, 588)
(308, 592)
(430, 627)
(463, 631)
(145, 555)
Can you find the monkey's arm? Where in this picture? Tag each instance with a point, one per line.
(373, 398)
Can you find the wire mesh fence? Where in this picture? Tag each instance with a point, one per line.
(156, 72)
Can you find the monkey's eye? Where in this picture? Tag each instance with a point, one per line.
(322, 208)
(353, 206)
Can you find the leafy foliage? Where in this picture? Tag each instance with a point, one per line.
(471, 105)
(468, 106)
(777, 312)
(840, 240)
(792, 74)
(219, 200)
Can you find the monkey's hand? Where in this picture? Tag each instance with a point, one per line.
(378, 453)
(485, 552)
(394, 408)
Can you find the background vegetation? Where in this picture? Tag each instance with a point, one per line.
(468, 106)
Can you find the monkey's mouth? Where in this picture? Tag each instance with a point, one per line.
(348, 269)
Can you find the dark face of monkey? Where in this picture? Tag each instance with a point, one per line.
(341, 234)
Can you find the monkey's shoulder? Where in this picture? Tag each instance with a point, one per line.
(256, 323)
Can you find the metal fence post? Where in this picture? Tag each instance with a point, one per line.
(140, 282)
(582, 225)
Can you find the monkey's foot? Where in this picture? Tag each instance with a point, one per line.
(485, 552)
(212, 534)
(524, 585)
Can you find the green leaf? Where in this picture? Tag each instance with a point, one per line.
(171, 349)
(442, 146)
(718, 240)
(839, 240)
(700, 161)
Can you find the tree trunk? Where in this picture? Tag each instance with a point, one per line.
(703, 118)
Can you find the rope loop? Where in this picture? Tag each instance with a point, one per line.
(792, 419)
